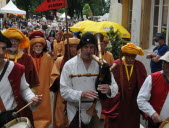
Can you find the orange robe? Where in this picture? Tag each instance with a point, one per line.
(42, 115)
(108, 57)
(58, 48)
(60, 119)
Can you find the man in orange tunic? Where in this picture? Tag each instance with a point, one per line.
(43, 64)
(20, 41)
(60, 119)
(58, 45)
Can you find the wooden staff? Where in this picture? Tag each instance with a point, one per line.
(98, 61)
(81, 75)
(15, 113)
(166, 121)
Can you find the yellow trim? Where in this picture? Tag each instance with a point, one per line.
(127, 71)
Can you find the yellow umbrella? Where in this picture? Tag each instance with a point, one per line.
(105, 26)
(81, 25)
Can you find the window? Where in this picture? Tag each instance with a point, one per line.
(159, 18)
(130, 15)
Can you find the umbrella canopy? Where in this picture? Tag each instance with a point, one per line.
(81, 25)
(105, 26)
(11, 8)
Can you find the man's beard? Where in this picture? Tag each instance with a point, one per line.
(38, 51)
(12, 50)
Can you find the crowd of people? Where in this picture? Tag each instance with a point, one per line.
(74, 83)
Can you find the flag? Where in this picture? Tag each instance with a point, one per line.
(51, 4)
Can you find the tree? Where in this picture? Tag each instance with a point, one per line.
(87, 10)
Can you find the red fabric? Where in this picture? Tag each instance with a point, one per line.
(51, 4)
(124, 109)
(30, 71)
(159, 92)
(15, 79)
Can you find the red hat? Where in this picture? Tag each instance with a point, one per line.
(36, 34)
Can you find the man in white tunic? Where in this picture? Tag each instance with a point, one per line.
(153, 98)
(14, 89)
(82, 89)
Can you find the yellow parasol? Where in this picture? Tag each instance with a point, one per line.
(81, 25)
(105, 26)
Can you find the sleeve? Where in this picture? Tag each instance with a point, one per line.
(113, 87)
(162, 51)
(26, 92)
(66, 86)
(144, 97)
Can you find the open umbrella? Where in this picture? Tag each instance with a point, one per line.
(105, 26)
(81, 25)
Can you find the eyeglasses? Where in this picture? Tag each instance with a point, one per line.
(14, 40)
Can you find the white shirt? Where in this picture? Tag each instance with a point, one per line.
(6, 92)
(144, 97)
(72, 88)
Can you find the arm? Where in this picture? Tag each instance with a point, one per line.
(144, 97)
(27, 93)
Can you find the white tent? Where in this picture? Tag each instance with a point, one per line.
(104, 17)
(11, 8)
(63, 16)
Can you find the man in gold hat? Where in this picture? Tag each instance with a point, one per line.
(153, 97)
(20, 41)
(60, 119)
(58, 44)
(43, 64)
(129, 74)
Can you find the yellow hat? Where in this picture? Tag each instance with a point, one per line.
(130, 48)
(16, 34)
(38, 40)
(72, 41)
(106, 40)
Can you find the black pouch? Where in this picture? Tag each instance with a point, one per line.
(7, 116)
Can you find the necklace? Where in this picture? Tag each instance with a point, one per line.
(14, 57)
(127, 70)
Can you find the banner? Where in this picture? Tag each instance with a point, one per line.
(51, 4)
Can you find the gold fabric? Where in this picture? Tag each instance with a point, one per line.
(60, 119)
(130, 48)
(38, 40)
(42, 115)
(108, 57)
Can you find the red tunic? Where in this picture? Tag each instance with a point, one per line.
(122, 111)
(30, 71)
(159, 92)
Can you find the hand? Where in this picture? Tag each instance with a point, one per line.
(104, 88)
(37, 100)
(156, 118)
(90, 94)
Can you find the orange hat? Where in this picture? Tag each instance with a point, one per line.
(130, 48)
(106, 40)
(38, 40)
(72, 41)
(16, 34)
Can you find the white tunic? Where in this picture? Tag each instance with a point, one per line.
(144, 97)
(6, 92)
(72, 88)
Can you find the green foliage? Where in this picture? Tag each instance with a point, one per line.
(86, 10)
(116, 43)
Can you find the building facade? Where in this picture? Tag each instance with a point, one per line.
(144, 18)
